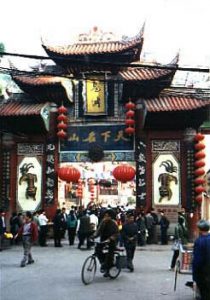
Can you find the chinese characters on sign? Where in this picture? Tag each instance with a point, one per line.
(50, 174)
(141, 173)
(110, 137)
(95, 97)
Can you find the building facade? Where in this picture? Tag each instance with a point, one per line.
(94, 79)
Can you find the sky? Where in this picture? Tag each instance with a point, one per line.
(172, 26)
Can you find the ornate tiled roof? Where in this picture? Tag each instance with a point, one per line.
(20, 109)
(95, 43)
(174, 103)
(95, 53)
(139, 74)
(135, 73)
(49, 88)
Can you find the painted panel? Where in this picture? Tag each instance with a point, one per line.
(29, 184)
(166, 180)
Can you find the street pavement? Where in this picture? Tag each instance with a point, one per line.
(56, 275)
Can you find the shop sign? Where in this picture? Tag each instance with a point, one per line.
(109, 137)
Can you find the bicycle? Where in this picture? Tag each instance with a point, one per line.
(90, 266)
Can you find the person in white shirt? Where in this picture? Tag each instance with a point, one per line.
(93, 221)
(43, 220)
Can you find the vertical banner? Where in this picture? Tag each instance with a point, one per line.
(50, 174)
(140, 173)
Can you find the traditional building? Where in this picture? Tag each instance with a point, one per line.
(118, 111)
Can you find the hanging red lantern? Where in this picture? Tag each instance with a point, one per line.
(62, 110)
(199, 181)
(199, 164)
(130, 105)
(129, 130)
(199, 189)
(200, 146)
(124, 173)
(63, 118)
(69, 174)
(129, 122)
(199, 137)
(199, 199)
(199, 172)
(130, 114)
(200, 155)
(62, 125)
(61, 134)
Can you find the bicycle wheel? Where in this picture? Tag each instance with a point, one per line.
(115, 270)
(88, 270)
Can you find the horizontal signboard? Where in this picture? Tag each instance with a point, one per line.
(109, 137)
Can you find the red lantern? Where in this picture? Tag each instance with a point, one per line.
(200, 155)
(62, 110)
(129, 130)
(199, 199)
(130, 114)
(199, 163)
(130, 105)
(124, 173)
(129, 122)
(61, 134)
(199, 172)
(200, 146)
(199, 181)
(63, 118)
(69, 174)
(199, 137)
(199, 189)
(62, 125)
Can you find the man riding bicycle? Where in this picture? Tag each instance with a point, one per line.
(108, 233)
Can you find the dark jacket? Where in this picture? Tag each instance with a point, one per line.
(107, 230)
(84, 226)
(129, 233)
(201, 259)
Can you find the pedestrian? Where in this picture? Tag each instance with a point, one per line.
(64, 222)
(201, 260)
(154, 239)
(84, 230)
(43, 220)
(129, 235)
(2, 227)
(164, 225)
(71, 226)
(29, 233)
(180, 237)
(149, 225)
(57, 228)
(141, 223)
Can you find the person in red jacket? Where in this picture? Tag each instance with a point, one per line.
(29, 233)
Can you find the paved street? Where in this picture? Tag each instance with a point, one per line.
(56, 275)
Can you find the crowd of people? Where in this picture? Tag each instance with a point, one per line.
(133, 228)
(114, 226)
